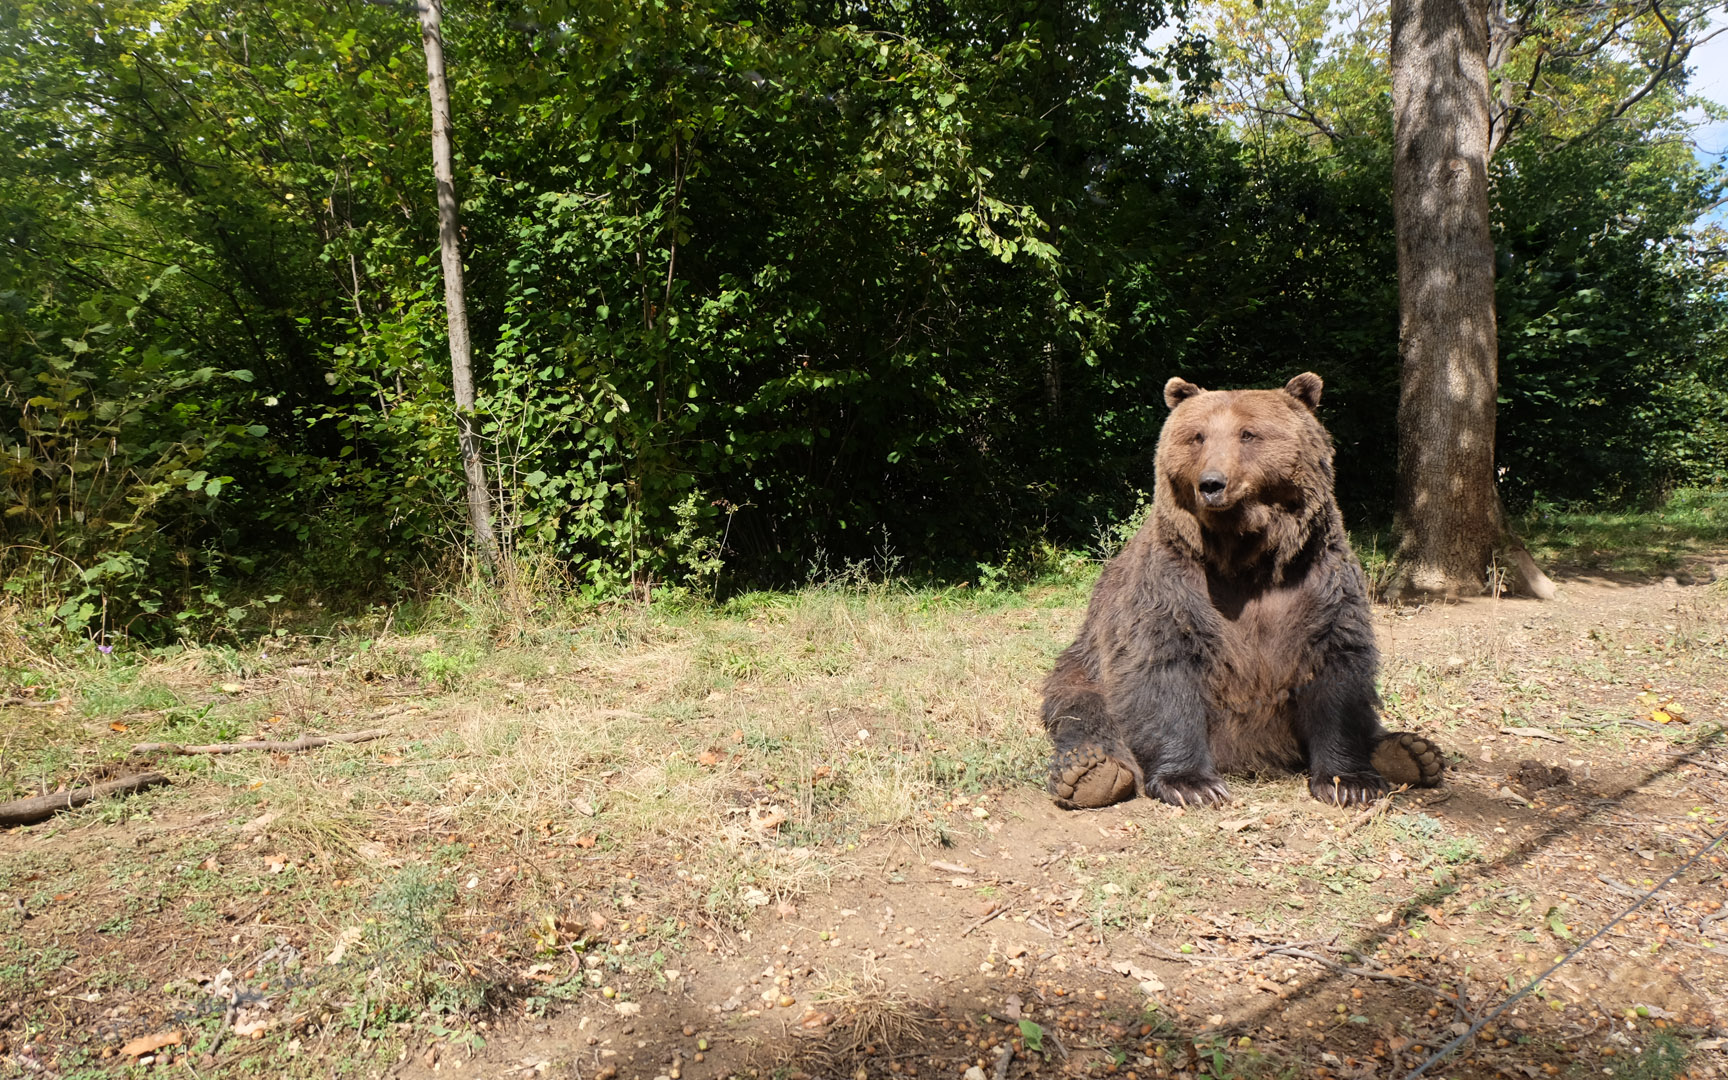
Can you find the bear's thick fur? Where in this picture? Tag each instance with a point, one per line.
(1232, 634)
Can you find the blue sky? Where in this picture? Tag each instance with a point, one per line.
(1710, 79)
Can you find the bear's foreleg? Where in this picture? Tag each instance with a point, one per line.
(1339, 725)
(1170, 739)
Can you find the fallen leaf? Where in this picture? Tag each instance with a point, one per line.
(149, 1044)
(118, 726)
(710, 757)
(773, 819)
(232, 688)
(1659, 716)
(585, 841)
(1237, 826)
(252, 1029)
(348, 937)
(821, 772)
(276, 863)
(583, 807)
(390, 759)
(951, 868)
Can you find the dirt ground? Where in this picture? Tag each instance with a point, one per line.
(976, 934)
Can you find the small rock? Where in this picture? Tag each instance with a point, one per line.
(974, 1073)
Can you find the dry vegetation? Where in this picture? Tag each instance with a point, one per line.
(803, 832)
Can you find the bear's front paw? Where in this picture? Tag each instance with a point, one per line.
(1404, 757)
(1085, 778)
(1190, 789)
(1347, 789)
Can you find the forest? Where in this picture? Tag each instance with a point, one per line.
(760, 290)
(534, 534)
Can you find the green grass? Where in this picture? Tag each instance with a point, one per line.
(1691, 522)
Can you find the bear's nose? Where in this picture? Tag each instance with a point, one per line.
(1212, 484)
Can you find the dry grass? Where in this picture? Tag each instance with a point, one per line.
(731, 758)
(871, 1013)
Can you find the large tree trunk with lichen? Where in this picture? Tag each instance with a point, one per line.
(1448, 516)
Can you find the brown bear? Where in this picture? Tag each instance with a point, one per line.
(1232, 634)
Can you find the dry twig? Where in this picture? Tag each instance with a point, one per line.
(976, 923)
(304, 742)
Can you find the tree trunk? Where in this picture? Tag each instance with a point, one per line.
(1448, 511)
(455, 299)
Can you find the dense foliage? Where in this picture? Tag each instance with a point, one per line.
(762, 286)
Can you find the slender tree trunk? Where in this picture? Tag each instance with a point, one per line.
(455, 299)
(1448, 516)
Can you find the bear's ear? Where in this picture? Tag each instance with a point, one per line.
(1304, 388)
(1178, 390)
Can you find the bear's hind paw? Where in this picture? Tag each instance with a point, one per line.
(1190, 789)
(1349, 789)
(1404, 757)
(1086, 778)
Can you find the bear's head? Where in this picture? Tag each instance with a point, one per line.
(1253, 466)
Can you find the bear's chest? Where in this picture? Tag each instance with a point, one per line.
(1265, 643)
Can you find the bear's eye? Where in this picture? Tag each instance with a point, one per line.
(1198, 438)
(1249, 436)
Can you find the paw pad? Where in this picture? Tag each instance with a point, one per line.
(1407, 758)
(1085, 777)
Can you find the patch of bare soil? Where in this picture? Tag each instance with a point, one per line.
(994, 937)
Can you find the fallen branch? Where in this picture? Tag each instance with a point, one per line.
(1161, 953)
(1455, 1000)
(304, 742)
(42, 807)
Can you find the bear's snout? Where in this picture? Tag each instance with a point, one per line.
(1212, 485)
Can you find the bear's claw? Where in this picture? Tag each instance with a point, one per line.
(1086, 778)
(1404, 757)
(1350, 789)
(1190, 789)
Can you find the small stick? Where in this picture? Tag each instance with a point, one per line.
(1003, 1057)
(304, 742)
(42, 807)
(976, 923)
(1380, 805)
(1455, 1000)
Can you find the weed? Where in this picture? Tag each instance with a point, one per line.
(1664, 1058)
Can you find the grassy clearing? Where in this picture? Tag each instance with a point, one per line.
(568, 802)
(1689, 523)
(623, 786)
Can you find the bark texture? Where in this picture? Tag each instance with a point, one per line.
(43, 807)
(1448, 511)
(455, 297)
